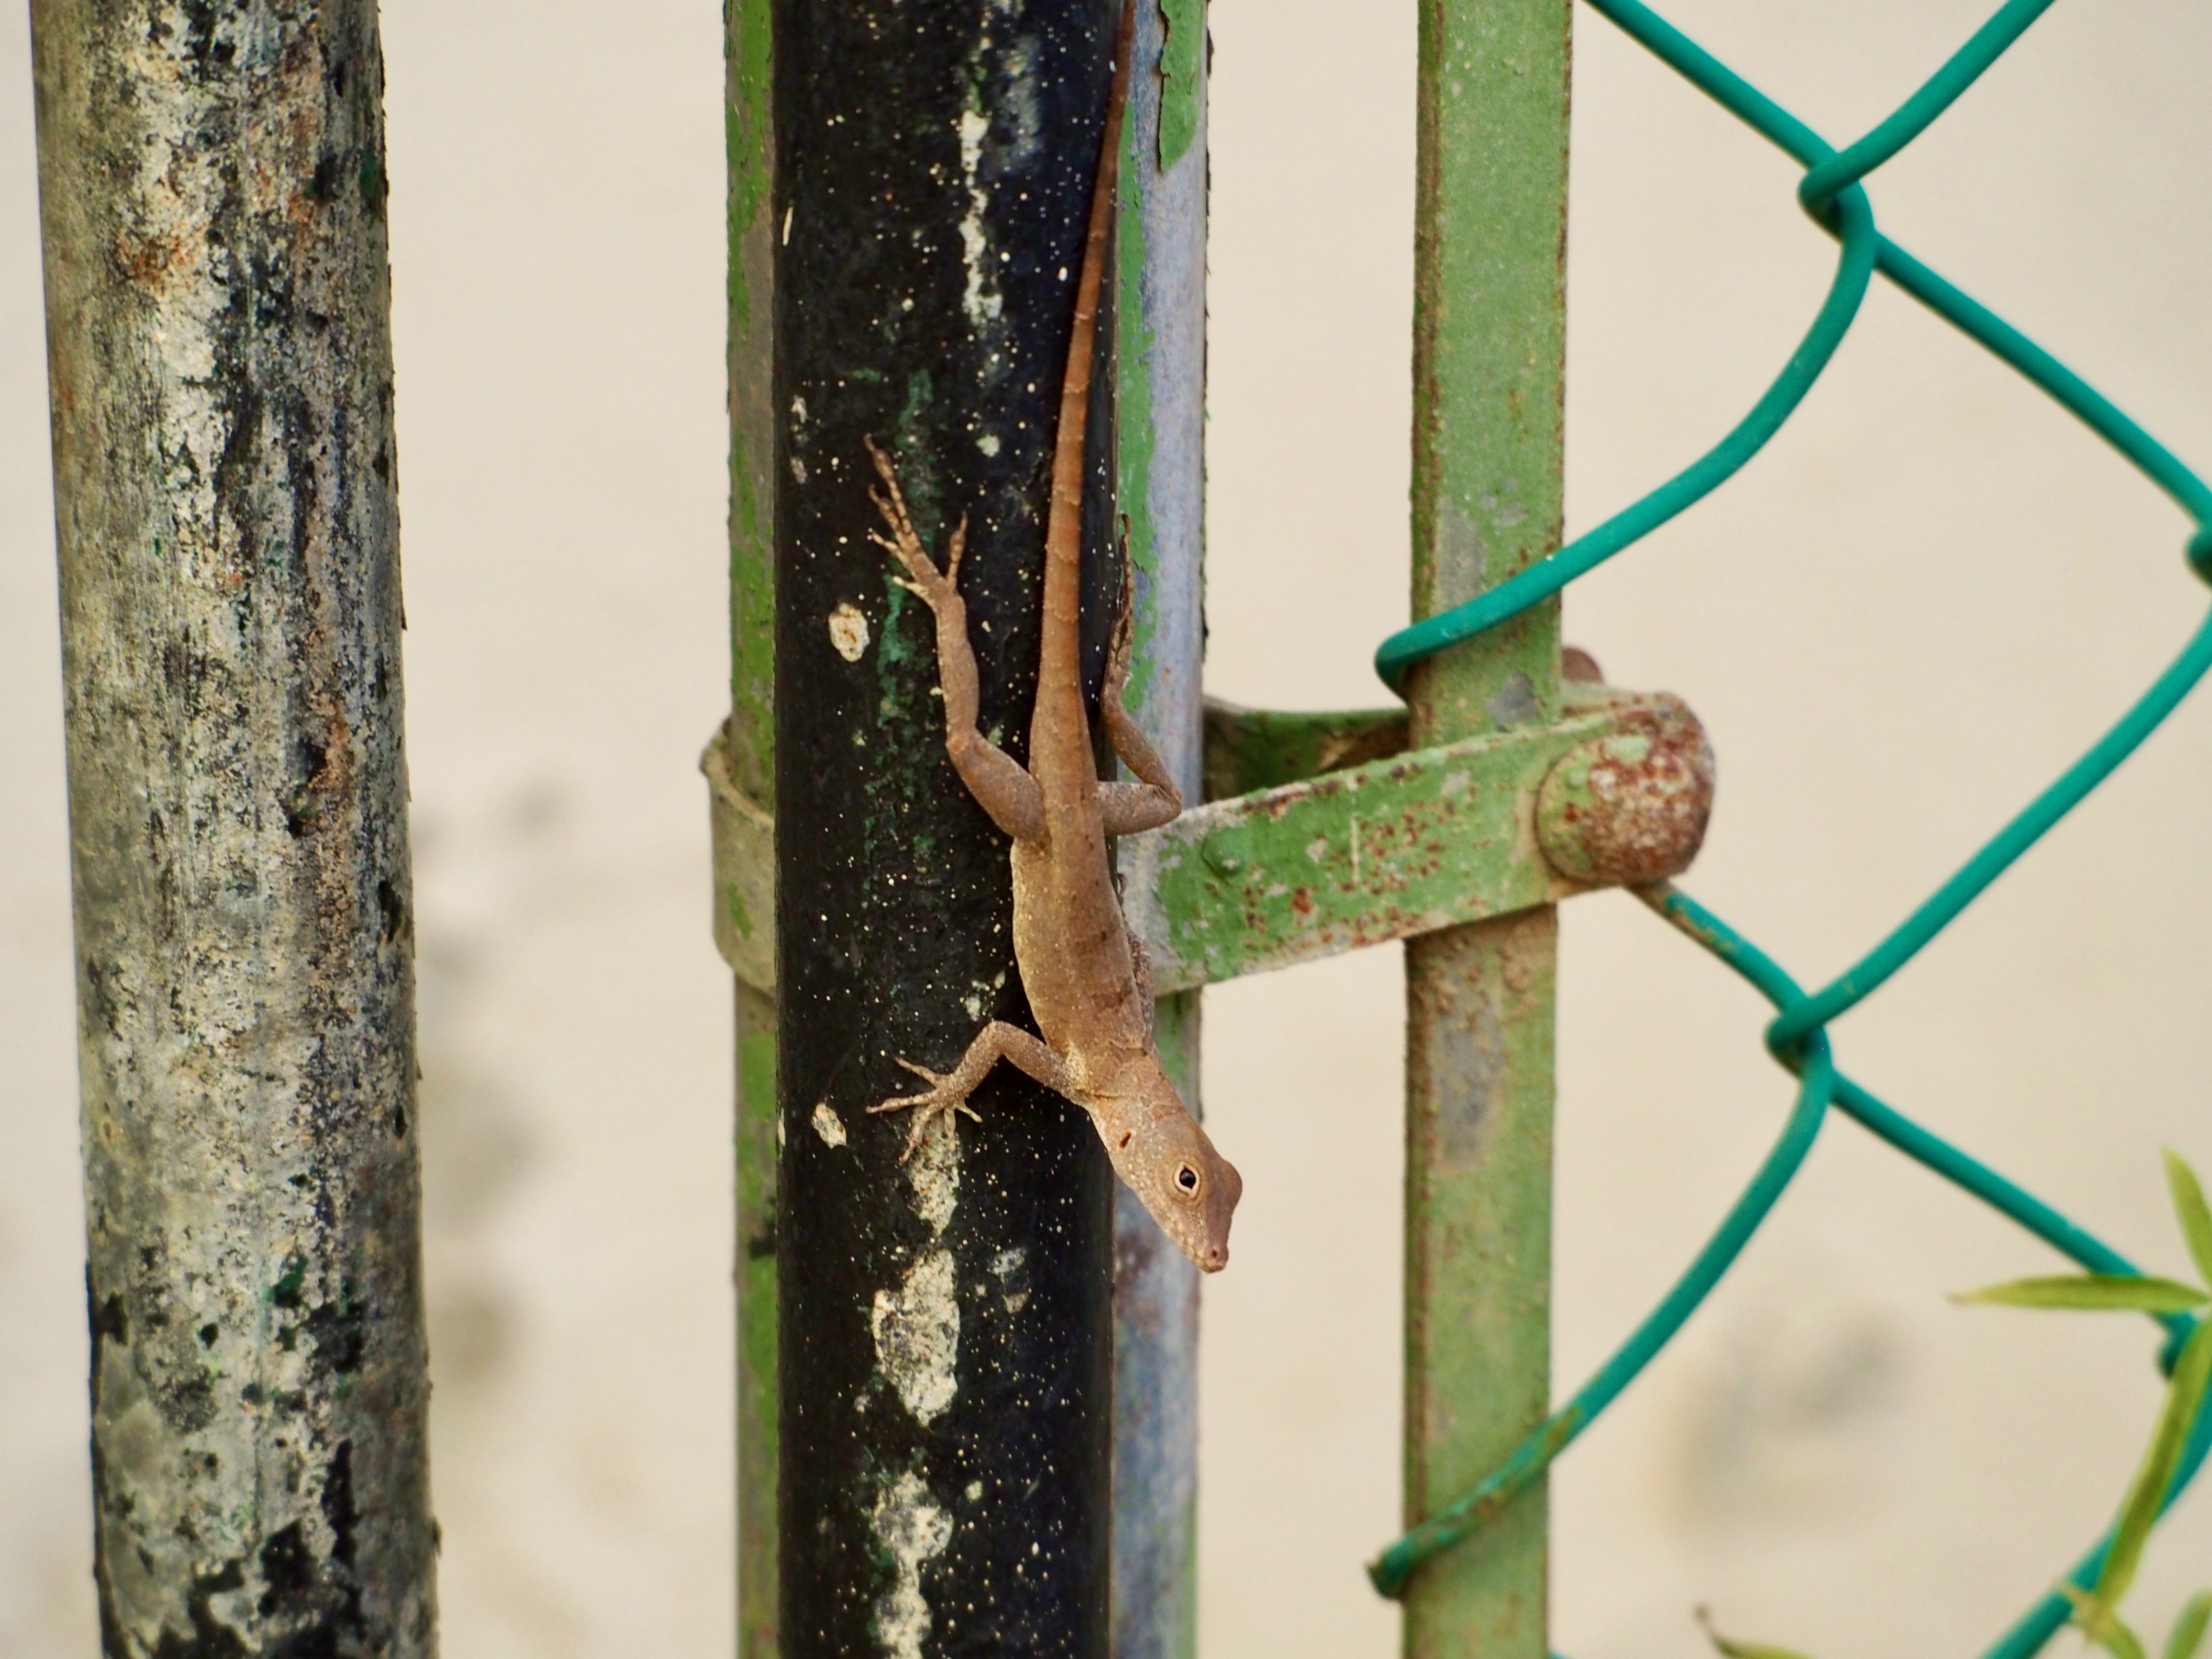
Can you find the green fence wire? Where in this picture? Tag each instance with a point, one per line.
(1833, 194)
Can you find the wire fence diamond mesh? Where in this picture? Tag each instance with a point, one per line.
(1832, 193)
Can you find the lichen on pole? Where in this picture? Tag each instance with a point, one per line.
(212, 192)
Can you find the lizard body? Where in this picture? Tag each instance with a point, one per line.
(1088, 983)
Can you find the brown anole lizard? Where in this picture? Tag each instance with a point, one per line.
(1088, 983)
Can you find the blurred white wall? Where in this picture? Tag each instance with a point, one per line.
(1928, 594)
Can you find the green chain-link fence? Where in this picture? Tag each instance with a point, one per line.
(1832, 193)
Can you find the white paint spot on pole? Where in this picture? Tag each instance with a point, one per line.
(917, 1333)
(829, 1125)
(1010, 1266)
(979, 301)
(980, 996)
(848, 631)
(912, 1528)
(916, 1329)
(933, 1172)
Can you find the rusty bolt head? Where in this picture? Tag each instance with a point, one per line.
(1630, 807)
(1578, 667)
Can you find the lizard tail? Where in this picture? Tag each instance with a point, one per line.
(1059, 676)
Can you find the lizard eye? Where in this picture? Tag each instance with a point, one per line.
(1187, 1178)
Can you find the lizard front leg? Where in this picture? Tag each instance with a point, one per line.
(997, 781)
(948, 1092)
(1126, 808)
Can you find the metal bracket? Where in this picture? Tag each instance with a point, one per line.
(745, 872)
(1339, 837)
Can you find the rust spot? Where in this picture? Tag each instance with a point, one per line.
(147, 262)
(1630, 807)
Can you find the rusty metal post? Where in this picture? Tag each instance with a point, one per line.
(1488, 378)
(212, 191)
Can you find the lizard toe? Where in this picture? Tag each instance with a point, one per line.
(927, 1117)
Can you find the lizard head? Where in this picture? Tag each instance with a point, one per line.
(1190, 1189)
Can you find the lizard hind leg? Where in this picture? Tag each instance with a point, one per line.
(948, 1091)
(1000, 785)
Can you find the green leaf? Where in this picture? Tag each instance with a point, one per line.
(2139, 1513)
(1734, 1649)
(2188, 1632)
(2101, 1623)
(2189, 1205)
(2100, 1292)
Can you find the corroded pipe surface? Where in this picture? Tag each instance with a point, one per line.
(212, 189)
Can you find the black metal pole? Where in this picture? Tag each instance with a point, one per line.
(946, 1324)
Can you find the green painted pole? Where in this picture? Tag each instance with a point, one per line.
(748, 754)
(1489, 356)
(1160, 355)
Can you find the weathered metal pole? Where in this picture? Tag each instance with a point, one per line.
(212, 194)
(946, 1324)
(1162, 422)
(1160, 289)
(1489, 353)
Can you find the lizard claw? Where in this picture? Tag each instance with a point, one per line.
(927, 1112)
(929, 1107)
(959, 545)
(928, 1116)
(939, 589)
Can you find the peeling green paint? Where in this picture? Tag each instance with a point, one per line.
(751, 253)
(756, 1325)
(1182, 70)
(1133, 434)
(752, 614)
(745, 914)
(744, 136)
(1397, 847)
